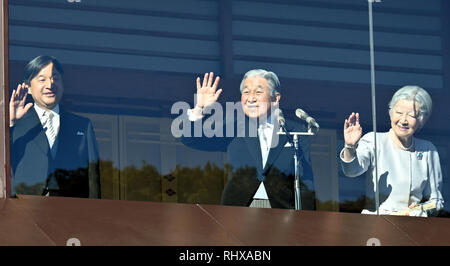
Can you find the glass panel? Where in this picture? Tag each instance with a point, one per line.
(319, 51)
(128, 79)
(131, 69)
(409, 66)
(124, 64)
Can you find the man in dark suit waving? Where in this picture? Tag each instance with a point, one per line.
(53, 152)
(262, 161)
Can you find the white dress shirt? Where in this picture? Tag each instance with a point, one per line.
(55, 122)
(265, 133)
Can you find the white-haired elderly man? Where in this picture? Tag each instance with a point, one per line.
(409, 171)
(262, 162)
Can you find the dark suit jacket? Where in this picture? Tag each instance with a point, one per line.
(74, 172)
(245, 159)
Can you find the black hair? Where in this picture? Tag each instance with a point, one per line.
(37, 64)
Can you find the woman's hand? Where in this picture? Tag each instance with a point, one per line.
(352, 134)
(352, 130)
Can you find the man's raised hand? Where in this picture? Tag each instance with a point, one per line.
(207, 92)
(17, 106)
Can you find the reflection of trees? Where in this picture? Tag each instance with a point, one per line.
(355, 206)
(75, 183)
(200, 185)
(107, 176)
(139, 183)
(194, 184)
(35, 189)
(329, 205)
(71, 183)
(143, 183)
(275, 179)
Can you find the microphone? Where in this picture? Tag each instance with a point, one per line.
(280, 117)
(304, 116)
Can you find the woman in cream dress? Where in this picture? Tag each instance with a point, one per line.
(409, 171)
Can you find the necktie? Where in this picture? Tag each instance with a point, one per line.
(51, 133)
(265, 145)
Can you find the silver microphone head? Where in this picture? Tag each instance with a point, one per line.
(280, 117)
(304, 116)
(301, 114)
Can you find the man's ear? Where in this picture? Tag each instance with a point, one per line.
(277, 97)
(275, 100)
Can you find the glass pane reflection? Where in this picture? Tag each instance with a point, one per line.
(409, 171)
(126, 65)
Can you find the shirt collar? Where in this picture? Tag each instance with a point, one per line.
(40, 111)
(269, 123)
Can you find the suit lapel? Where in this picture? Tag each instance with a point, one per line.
(36, 129)
(275, 152)
(62, 134)
(254, 149)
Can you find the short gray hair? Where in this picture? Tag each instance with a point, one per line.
(417, 94)
(272, 79)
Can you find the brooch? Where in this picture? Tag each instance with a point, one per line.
(419, 155)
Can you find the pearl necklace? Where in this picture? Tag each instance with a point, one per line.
(408, 148)
(400, 145)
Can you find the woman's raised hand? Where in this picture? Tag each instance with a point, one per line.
(352, 129)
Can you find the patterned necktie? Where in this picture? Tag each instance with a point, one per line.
(51, 133)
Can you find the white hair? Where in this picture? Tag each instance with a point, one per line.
(272, 79)
(417, 94)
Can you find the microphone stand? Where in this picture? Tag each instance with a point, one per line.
(293, 138)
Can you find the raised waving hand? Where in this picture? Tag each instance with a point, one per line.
(207, 92)
(17, 106)
(352, 134)
(352, 129)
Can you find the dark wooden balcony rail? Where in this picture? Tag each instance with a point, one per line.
(34, 220)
